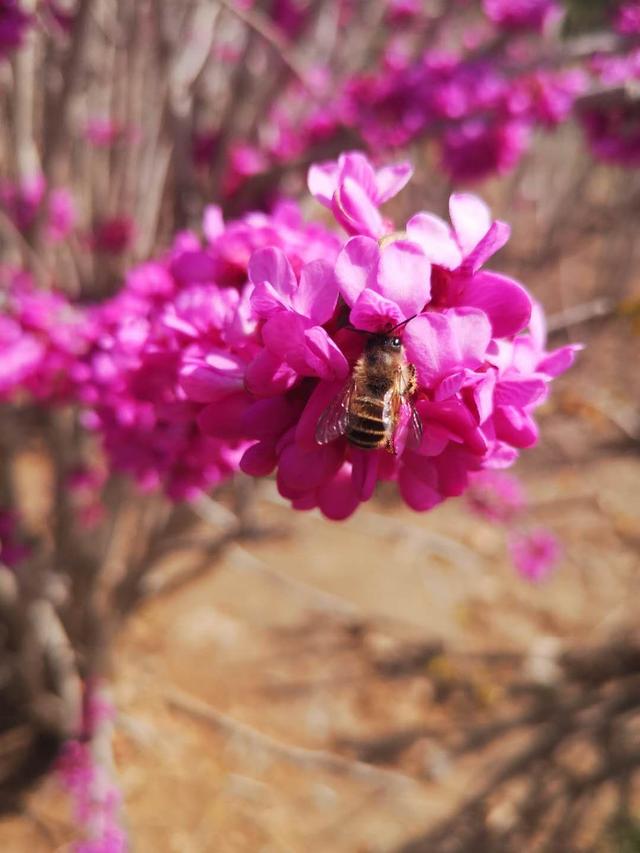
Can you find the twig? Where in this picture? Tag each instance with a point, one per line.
(302, 757)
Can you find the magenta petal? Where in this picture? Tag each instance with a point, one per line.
(373, 313)
(259, 460)
(450, 385)
(493, 240)
(455, 417)
(317, 292)
(556, 362)
(268, 375)
(439, 344)
(270, 418)
(322, 356)
(322, 180)
(355, 210)
(505, 302)
(515, 426)
(265, 300)
(364, 472)
(192, 267)
(301, 470)
(404, 276)
(204, 384)
(520, 391)
(483, 396)
(338, 498)
(271, 265)
(471, 219)
(418, 483)
(356, 167)
(391, 179)
(212, 222)
(356, 266)
(434, 236)
(321, 396)
(225, 420)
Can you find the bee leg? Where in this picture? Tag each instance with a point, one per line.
(390, 446)
(412, 379)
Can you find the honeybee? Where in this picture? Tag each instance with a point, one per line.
(367, 410)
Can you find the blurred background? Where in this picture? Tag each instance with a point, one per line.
(398, 681)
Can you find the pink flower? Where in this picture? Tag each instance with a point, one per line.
(522, 14)
(627, 20)
(13, 24)
(383, 287)
(497, 496)
(23, 202)
(354, 190)
(481, 147)
(113, 235)
(458, 253)
(535, 553)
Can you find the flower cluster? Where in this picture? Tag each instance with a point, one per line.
(43, 339)
(165, 386)
(14, 22)
(500, 498)
(475, 338)
(223, 353)
(24, 202)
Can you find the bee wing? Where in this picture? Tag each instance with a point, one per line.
(334, 421)
(414, 438)
(399, 399)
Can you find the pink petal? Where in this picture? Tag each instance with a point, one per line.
(301, 470)
(440, 344)
(495, 238)
(515, 426)
(355, 210)
(520, 391)
(322, 356)
(391, 179)
(268, 375)
(404, 276)
(271, 265)
(193, 267)
(434, 236)
(225, 420)
(471, 219)
(374, 313)
(356, 266)
(505, 302)
(259, 460)
(206, 384)
(212, 222)
(356, 167)
(364, 472)
(265, 300)
(559, 360)
(321, 396)
(338, 499)
(271, 417)
(418, 483)
(317, 292)
(322, 180)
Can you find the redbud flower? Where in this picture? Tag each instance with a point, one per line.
(13, 24)
(353, 190)
(535, 553)
(522, 14)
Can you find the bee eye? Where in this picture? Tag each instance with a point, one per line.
(395, 343)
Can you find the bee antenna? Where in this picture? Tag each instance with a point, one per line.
(400, 325)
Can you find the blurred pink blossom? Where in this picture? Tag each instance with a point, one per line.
(535, 553)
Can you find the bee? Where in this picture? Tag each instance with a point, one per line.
(367, 410)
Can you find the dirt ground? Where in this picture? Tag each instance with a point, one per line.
(239, 695)
(245, 698)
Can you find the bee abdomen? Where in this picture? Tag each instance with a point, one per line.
(367, 428)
